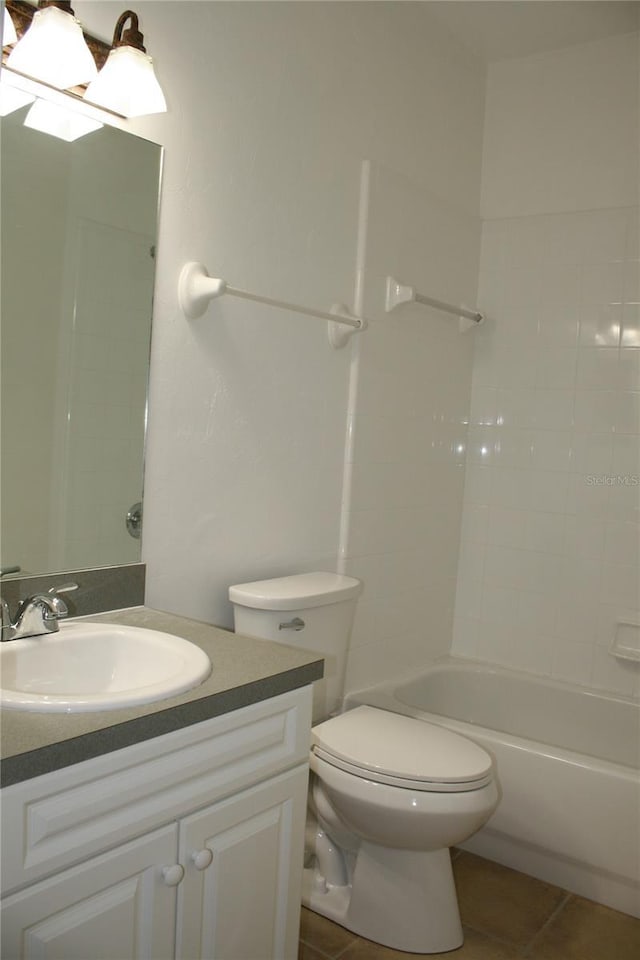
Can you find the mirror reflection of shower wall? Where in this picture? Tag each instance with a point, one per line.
(78, 235)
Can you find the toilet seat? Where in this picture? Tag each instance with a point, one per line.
(401, 751)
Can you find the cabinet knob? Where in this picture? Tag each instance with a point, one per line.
(173, 875)
(202, 859)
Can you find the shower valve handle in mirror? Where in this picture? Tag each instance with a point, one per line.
(134, 520)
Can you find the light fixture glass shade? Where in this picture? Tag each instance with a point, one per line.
(9, 35)
(59, 121)
(12, 99)
(127, 84)
(53, 50)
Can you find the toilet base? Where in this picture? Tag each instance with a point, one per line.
(400, 898)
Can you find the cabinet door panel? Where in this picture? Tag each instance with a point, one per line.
(113, 907)
(245, 905)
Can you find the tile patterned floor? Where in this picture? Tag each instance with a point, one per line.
(506, 916)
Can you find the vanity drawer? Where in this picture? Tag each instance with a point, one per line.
(63, 817)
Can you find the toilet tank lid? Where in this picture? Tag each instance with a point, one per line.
(295, 592)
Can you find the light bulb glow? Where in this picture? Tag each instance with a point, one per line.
(9, 35)
(127, 84)
(53, 50)
(12, 99)
(59, 121)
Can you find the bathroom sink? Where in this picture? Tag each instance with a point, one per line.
(97, 666)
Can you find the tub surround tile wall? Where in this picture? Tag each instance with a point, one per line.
(550, 544)
(551, 537)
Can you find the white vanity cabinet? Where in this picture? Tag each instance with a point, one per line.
(188, 845)
(237, 897)
(112, 907)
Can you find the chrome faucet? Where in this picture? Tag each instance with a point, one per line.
(37, 615)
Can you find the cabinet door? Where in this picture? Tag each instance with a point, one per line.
(113, 907)
(240, 898)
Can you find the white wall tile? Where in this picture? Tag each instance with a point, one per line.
(598, 369)
(631, 290)
(551, 449)
(630, 326)
(629, 369)
(601, 325)
(478, 481)
(611, 674)
(602, 283)
(584, 536)
(556, 367)
(543, 532)
(465, 636)
(592, 453)
(603, 235)
(572, 661)
(622, 545)
(561, 552)
(553, 409)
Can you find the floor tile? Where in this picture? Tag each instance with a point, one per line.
(322, 934)
(476, 947)
(501, 902)
(310, 953)
(583, 930)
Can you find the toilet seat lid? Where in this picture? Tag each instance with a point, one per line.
(404, 748)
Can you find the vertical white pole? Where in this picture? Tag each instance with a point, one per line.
(352, 401)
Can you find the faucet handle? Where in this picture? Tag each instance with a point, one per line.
(7, 626)
(63, 588)
(58, 608)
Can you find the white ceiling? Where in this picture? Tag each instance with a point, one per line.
(502, 29)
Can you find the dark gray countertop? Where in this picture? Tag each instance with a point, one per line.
(244, 671)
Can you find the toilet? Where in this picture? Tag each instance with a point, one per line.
(389, 794)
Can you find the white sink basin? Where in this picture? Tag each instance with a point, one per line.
(97, 666)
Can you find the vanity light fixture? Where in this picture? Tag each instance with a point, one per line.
(127, 83)
(9, 35)
(53, 48)
(59, 121)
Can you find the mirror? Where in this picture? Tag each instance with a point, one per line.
(78, 227)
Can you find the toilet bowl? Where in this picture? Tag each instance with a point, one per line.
(389, 794)
(392, 794)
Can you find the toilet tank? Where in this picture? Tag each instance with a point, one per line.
(313, 611)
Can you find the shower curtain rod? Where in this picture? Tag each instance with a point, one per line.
(398, 293)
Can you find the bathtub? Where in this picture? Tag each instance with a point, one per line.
(568, 765)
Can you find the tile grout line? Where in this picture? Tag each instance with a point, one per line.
(552, 916)
(491, 937)
(348, 946)
(328, 956)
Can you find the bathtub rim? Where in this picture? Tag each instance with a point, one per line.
(499, 669)
(388, 688)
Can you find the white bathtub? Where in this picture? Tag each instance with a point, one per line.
(568, 763)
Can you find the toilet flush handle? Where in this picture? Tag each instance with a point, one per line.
(295, 624)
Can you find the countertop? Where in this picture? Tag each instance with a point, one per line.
(244, 671)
